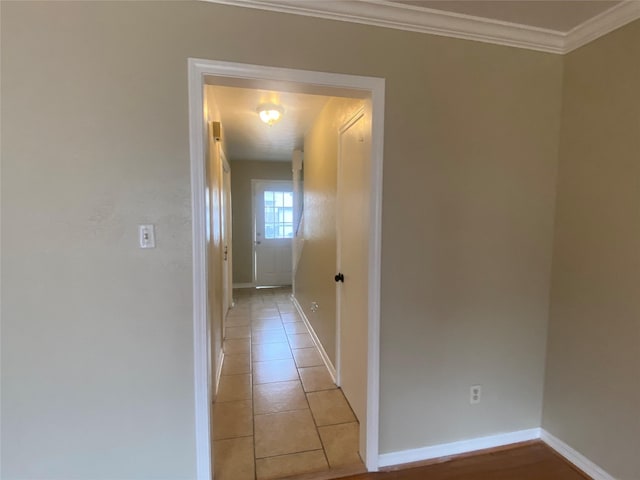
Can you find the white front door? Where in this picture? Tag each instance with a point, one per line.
(353, 242)
(273, 232)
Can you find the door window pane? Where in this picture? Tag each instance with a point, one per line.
(268, 199)
(278, 214)
(269, 232)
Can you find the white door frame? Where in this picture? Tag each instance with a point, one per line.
(197, 70)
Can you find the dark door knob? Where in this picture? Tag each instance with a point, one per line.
(339, 278)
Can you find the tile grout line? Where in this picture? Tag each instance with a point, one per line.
(294, 453)
(255, 457)
(255, 454)
(306, 397)
(301, 384)
(266, 302)
(253, 403)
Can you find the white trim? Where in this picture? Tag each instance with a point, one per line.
(375, 87)
(316, 340)
(382, 13)
(225, 163)
(244, 285)
(254, 263)
(598, 26)
(201, 367)
(475, 444)
(385, 13)
(375, 262)
(575, 457)
(219, 370)
(456, 448)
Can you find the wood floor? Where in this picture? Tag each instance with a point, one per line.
(533, 461)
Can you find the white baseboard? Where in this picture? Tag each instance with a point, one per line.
(219, 371)
(576, 458)
(456, 448)
(244, 285)
(316, 340)
(466, 446)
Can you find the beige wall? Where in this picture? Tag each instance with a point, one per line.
(242, 172)
(469, 186)
(317, 267)
(97, 349)
(592, 390)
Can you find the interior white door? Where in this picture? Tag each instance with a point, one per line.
(227, 281)
(353, 240)
(273, 232)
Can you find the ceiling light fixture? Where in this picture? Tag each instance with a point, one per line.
(270, 113)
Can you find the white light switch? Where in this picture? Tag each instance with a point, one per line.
(147, 236)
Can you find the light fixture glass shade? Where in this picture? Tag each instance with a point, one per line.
(270, 113)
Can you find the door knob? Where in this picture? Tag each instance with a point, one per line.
(339, 278)
(258, 242)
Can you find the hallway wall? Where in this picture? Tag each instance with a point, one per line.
(242, 172)
(592, 389)
(314, 276)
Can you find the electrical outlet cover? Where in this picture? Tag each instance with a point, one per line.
(475, 394)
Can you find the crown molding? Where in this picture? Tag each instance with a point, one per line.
(598, 26)
(384, 13)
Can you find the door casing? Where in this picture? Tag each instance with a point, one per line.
(374, 87)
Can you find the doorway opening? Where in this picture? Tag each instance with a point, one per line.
(224, 73)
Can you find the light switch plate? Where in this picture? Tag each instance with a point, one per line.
(147, 236)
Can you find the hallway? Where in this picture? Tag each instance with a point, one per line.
(278, 412)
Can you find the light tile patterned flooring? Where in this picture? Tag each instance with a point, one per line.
(278, 413)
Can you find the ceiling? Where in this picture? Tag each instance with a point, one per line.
(559, 15)
(246, 137)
